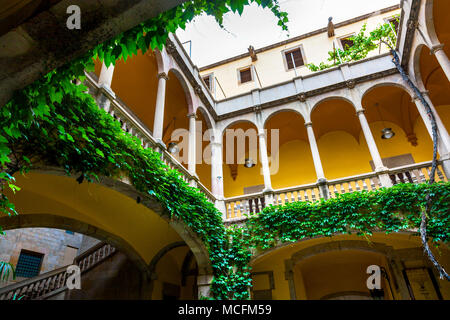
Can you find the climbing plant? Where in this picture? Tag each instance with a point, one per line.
(363, 44)
(55, 122)
(388, 210)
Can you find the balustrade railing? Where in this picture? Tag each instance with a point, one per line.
(131, 124)
(238, 207)
(54, 282)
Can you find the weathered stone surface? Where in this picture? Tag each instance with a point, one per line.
(43, 42)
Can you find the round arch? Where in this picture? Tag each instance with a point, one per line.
(111, 208)
(44, 220)
(186, 88)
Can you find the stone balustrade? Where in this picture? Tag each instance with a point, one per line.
(238, 207)
(54, 282)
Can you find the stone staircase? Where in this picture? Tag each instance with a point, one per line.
(52, 285)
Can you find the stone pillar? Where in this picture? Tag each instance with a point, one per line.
(106, 75)
(104, 82)
(380, 169)
(315, 151)
(204, 286)
(443, 136)
(159, 110)
(192, 152)
(321, 180)
(264, 160)
(216, 170)
(438, 51)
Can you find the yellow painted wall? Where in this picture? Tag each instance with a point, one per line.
(310, 276)
(270, 63)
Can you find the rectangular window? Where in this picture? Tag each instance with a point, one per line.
(29, 264)
(395, 23)
(294, 58)
(245, 75)
(208, 81)
(346, 43)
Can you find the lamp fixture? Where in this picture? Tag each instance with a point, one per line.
(386, 133)
(249, 163)
(172, 147)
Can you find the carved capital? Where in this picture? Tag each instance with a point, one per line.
(308, 124)
(171, 48)
(198, 89)
(436, 48)
(192, 115)
(301, 97)
(350, 84)
(257, 108)
(163, 75)
(358, 112)
(412, 24)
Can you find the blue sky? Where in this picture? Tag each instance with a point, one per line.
(259, 28)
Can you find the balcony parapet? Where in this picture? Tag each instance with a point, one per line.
(238, 207)
(347, 75)
(130, 123)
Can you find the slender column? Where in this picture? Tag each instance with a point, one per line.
(373, 149)
(438, 51)
(264, 160)
(321, 180)
(104, 82)
(315, 151)
(216, 170)
(192, 143)
(443, 136)
(159, 110)
(106, 75)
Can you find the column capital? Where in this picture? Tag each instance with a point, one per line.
(308, 124)
(163, 75)
(192, 115)
(436, 48)
(424, 93)
(360, 111)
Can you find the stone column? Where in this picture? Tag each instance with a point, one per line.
(443, 136)
(438, 51)
(264, 160)
(105, 92)
(159, 110)
(380, 169)
(204, 286)
(217, 177)
(321, 180)
(192, 152)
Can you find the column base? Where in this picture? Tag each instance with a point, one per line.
(322, 183)
(446, 165)
(204, 286)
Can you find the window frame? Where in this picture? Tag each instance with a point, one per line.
(31, 253)
(252, 74)
(389, 19)
(339, 40)
(302, 52)
(211, 81)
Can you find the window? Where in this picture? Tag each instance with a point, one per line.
(29, 264)
(70, 232)
(209, 82)
(294, 58)
(395, 23)
(346, 42)
(245, 75)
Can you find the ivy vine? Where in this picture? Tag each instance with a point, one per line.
(363, 44)
(55, 122)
